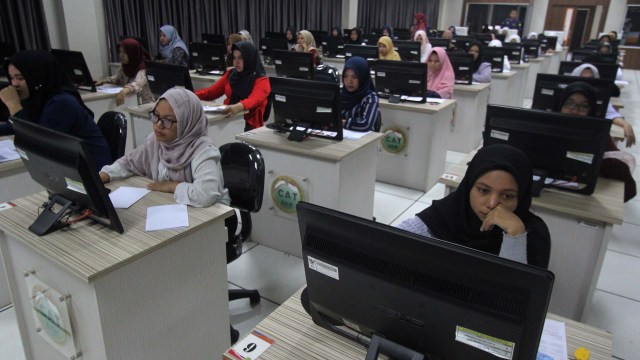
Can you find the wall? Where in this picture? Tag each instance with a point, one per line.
(538, 15)
(615, 16)
(450, 13)
(349, 14)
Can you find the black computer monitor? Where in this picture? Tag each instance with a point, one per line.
(549, 87)
(76, 68)
(601, 58)
(162, 77)
(495, 56)
(462, 67)
(439, 42)
(306, 107)
(606, 71)
(580, 55)
(513, 51)
(402, 33)
(62, 165)
(6, 51)
(462, 42)
(397, 78)
(275, 35)
(332, 46)
(366, 279)
(566, 150)
(368, 52)
(208, 58)
(268, 45)
(293, 64)
(318, 34)
(485, 39)
(214, 38)
(547, 42)
(371, 39)
(408, 50)
(530, 49)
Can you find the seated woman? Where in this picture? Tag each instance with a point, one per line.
(359, 108)
(132, 75)
(172, 49)
(178, 156)
(440, 75)
(246, 36)
(386, 50)
(579, 98)
(306, 43)
(481, 68)
(41, 92)
(588, 70)
(231, 39)
(490, 209)
(387, 30)
(336, 31)
(355, 37)
(292, 37)
(246, 86)
(425, 47)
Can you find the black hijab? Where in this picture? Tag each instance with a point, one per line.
(479, 60)
(294, 38)
(578, 87)
(242, 82)
(365, 85)
(452, 218)
(45, 77)
(357, 41)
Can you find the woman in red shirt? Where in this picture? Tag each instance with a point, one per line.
(246, 86)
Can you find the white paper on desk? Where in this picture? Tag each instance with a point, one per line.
(621, 82)
(125, 196)
(109, 89)
(411, 98)
(167, 217)
(353, 135)
(208, 108)
(553, 343)
(435, 100)
(253, 345)
(8, 151)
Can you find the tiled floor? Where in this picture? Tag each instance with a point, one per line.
(615, 306)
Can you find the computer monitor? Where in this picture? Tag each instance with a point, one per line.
(485, 39)
(595, 57)
(462, 42)
(495, 56)
(549, 87)
(208, 58)
(162, 77)
(368, 52)
(76, 68)
(395, 79)
(566, 150)
(6, 51)
(294, 64)
(513, 51)
(402, 33)
(530, 49)
(366, 279)
(462, 30)
(332, 46)
(547, 42)
(268, 45)
(275, 35)
(62, 165)
(559, 35)
(606, 71)
(462, 67)
(318, 34)
(439, 42)
(306, 107)
(371, 39)
(580, 55)
(214, 38)
(408, 50)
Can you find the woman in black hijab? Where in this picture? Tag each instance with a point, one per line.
(292, 37)
(490, 209)
(355, 37)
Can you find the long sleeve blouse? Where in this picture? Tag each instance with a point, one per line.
(483, 75)
(137, 85)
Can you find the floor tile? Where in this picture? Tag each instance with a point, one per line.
(387, 208)
(632, 212)
(398, 191)
(10, 343)
(624, 239)
(410, 212)
(245, 317)
(620, 275)
(436, 193)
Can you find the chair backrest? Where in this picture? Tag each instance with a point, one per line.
(327, 73)
(243, 170)
(113, 126)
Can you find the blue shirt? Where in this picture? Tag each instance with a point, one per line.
(362, 117)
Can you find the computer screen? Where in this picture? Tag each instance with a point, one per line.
(462, 42)
(306, 107)
(495, 56)
(606, 71)
(294, 64)
(6, 51)
(162, 77)
(439, 42)
(549, 87)
(371, 39)
(462, 67)
(318, 34)
(513, 51)
(402, 34)
(530, 49)
(408, 50)
(434, 297)
(368, 52)
(268, 45)
(547, 42)
(214, 38)
(485, 39)
(62, 165)
(580, 55)
(566, 150)
(76, 68)
(333, 46)
(275, 35)
(208, 58)
(400, 78)
(595, 57)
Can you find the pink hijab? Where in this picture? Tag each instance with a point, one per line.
(177, 155)
(442, 81)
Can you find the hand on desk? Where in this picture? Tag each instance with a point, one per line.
(122, 95)
(505, 219)
(629, 135)
(233, 109)
(99, 82)
(104, 177)
(163, 186)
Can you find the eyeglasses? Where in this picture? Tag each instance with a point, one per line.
(166, 123)
(571, 105)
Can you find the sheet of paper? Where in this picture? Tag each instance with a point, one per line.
(435, 100)
(124, 197)
(411, 98)
(109, 89)
(553, 343)
(621, 82)
(8, 151)
(252, 346)
(353, 135)
(167, 217)
(208, 108)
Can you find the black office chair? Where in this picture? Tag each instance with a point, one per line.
(243, 170)
(327, 73)
(113, 126)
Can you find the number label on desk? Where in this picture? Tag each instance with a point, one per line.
(450, 177)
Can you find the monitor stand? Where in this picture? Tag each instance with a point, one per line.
(537, 185)
(394, 99)
(298, 132)
(379, 345)
(49, 220)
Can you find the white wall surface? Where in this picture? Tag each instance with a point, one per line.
(537, 16)
(450, 13)
(615, 16)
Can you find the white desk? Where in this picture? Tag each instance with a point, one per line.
(202, 81)
(554, 65)
(521, 81)
(505, 88)
(100, 103)
(546, 64)
(471, 110)
(137, 295)
(535, 68)
(336, 174)
(580, 227)
(221, 129)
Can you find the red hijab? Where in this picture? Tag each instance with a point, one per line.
(421, 22)
(136, 53)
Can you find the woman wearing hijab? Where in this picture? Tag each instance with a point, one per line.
(359, 107)
(481, 68)
(246, 86)
(306, 43)
(178, 156)
(292, 37)
(440, 74)
(387, 30)
(231, 39)
(506, 65)
(386, 51)
(579, 98)
(532, 36)
(172, 49)
(355, 37)
(420, 22)
(42, 93)
(512, 38)
(132, 75)
(425, 47)
(336, 31)
(590, 71)
(490, 209)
